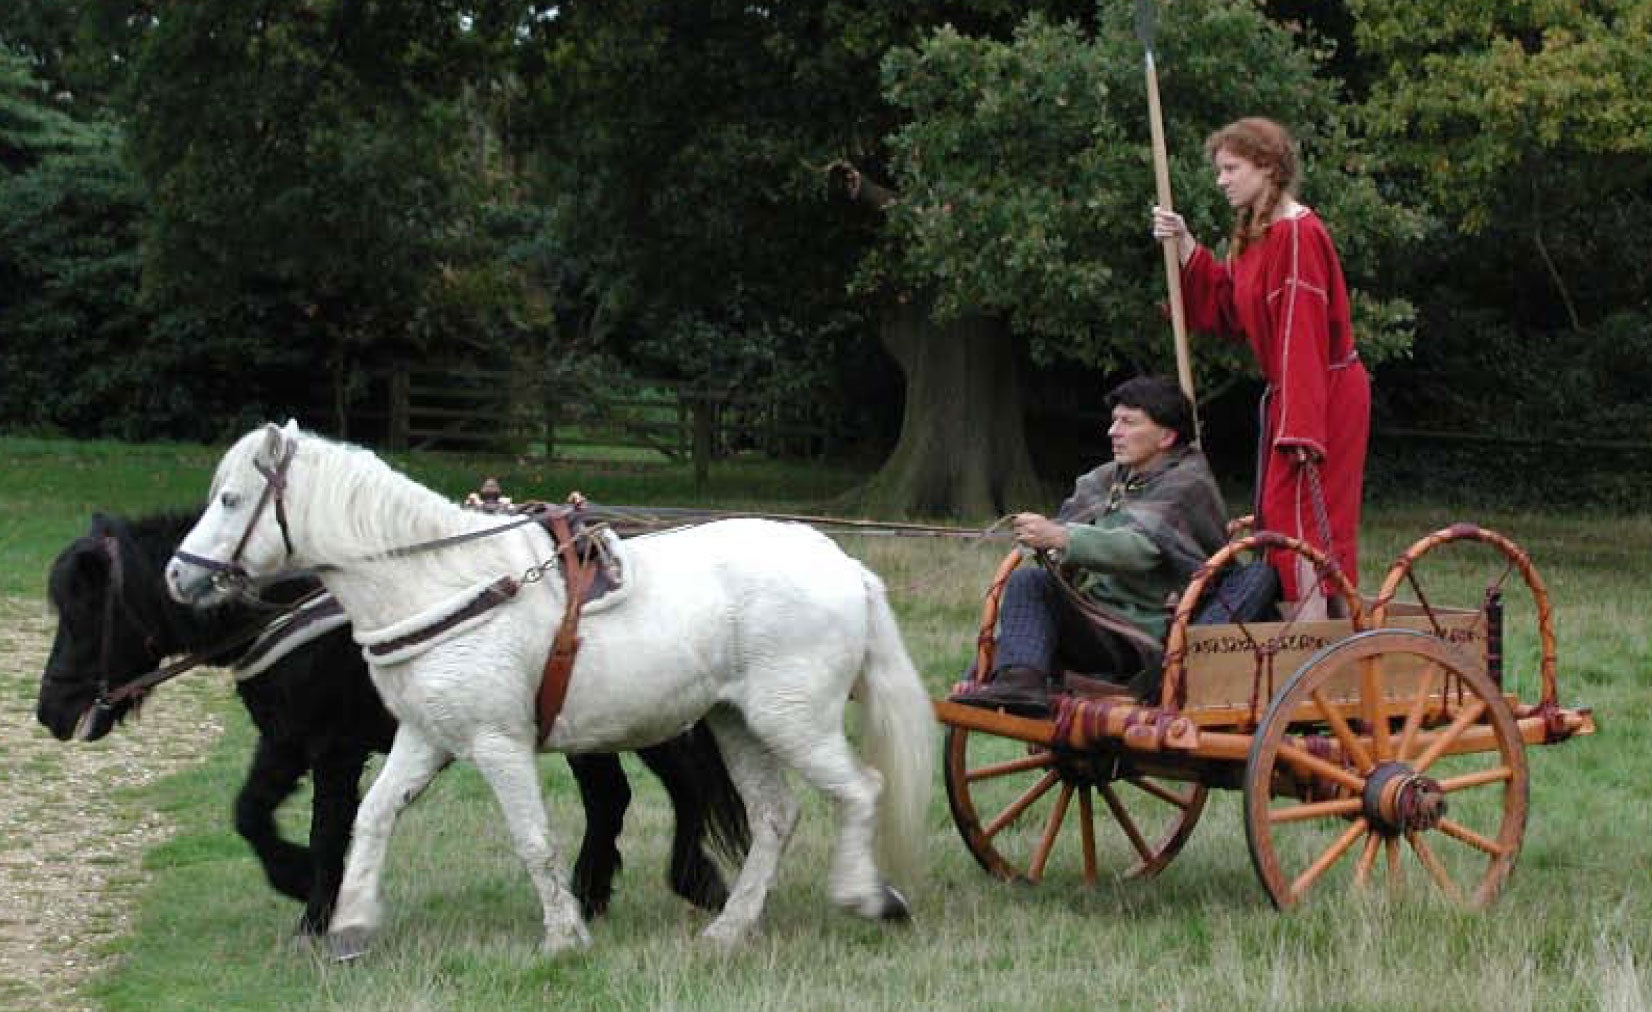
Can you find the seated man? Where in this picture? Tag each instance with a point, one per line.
(1130, 537)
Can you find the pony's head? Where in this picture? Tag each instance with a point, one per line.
(106, 636)
(243, 532)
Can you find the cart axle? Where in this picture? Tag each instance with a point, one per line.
(1398, 800)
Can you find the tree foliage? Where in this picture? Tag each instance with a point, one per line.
(1476, 96)
(1026, 175)
(69, 220)
(683, 147)
(1527, 129)
(213, 209)
(318, 178)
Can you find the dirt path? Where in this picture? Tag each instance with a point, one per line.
(71, 838)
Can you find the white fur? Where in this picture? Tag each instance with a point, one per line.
(761, 627)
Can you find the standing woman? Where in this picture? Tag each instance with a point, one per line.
(1281, 289)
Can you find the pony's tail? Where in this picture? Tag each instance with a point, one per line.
(897, 739)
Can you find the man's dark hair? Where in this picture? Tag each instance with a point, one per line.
(1161, 400)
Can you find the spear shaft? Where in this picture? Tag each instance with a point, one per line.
(1145, 28)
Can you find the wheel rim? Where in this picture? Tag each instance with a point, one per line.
(1433, 792)
(1027, 813)
(1465, 562)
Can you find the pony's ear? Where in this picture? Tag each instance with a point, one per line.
(274, 439)
(291, 428)
(99, 526)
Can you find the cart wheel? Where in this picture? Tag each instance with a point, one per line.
(1398, 745)
(1011, 802)
(1467, 563)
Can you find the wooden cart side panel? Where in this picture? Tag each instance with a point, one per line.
(1227, 686)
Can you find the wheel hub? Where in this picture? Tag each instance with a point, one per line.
(1398, 800)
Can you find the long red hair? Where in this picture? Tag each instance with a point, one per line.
(1268, 146)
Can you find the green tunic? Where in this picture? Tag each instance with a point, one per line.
(1134, 539)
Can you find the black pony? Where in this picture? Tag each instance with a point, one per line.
(318, 713)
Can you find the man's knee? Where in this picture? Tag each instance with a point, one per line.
(1029, 583)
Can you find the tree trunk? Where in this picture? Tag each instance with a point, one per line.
(963, 446)
(963, 449)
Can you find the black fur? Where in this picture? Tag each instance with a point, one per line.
(317, 713)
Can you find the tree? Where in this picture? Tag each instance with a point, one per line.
(1021, 182)
(69, 215)
(1524, 129)
(309, 166)
(1519, 118)
(685, 147)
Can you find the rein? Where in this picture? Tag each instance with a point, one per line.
(136, 688)
(634, 520)
(624, 520)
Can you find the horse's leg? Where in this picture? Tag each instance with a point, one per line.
(771, 812)
(811, 740)
(702, 798)
(507, 764)
(271, 779)
(605, 793)
(337, 782)
(413, 761)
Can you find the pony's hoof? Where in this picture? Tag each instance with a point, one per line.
(572, 939)
(724, 937)
(348, 944)
(884, 903)
(895, 908)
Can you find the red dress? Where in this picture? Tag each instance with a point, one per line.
(1285, 295)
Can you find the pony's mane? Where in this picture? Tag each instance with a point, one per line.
(365, 507)
(144, 546)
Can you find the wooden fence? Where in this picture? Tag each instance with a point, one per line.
(495, 411)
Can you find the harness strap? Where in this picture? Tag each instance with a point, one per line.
(275, 487)
(117, 593)
(485, 600)
(189, 662)
(577, 574)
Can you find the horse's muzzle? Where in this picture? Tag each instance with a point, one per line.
(189, 582)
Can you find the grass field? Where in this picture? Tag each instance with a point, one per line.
(1573, 928)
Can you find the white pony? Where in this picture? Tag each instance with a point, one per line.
(762, 628)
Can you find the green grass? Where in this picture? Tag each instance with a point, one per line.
(1572, 930)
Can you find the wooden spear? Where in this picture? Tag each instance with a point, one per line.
(1146, 25)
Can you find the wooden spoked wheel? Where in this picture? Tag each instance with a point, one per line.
(1028, 812)
(1389, 758)
(1512, 625)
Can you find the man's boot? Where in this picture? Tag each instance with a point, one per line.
(1015, 689)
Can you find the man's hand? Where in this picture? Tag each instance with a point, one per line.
(1034, 530)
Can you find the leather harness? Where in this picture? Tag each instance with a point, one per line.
(578, 573)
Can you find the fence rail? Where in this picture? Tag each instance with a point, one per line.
(504, 412)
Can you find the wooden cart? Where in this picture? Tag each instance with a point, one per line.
(1387, 749)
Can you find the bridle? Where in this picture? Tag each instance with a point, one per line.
(115, 609)
(230, 575)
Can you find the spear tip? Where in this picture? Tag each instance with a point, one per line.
(1146, 21)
